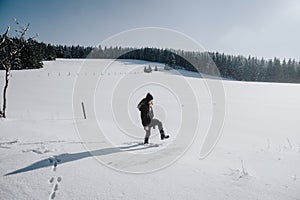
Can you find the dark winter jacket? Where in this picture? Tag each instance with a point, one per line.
(146, 113)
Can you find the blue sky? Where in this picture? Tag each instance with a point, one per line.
(266, 28)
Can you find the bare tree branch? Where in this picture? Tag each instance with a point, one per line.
(4, 36)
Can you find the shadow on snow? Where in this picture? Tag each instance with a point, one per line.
(64, 158)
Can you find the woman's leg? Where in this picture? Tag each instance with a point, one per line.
(156, 122)
(148, 132)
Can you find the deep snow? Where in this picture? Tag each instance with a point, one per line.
(45, 155)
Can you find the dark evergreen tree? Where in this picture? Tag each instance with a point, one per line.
(30, 56)
(149, 69)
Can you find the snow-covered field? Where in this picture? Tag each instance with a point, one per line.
(48, 151)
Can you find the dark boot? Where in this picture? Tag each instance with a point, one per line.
(163, 135)
(146, 141)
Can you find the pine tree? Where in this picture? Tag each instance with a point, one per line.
(30, 57)
(149, 69)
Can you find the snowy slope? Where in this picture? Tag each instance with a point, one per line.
(48, 151)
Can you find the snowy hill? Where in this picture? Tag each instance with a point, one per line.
(49, 151)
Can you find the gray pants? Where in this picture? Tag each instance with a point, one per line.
(154, 122)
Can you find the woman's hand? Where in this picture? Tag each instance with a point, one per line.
(150, 104)
(146, 128)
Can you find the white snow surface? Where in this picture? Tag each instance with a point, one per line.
(43, 154)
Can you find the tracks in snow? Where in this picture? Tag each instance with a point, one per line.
(54, 180)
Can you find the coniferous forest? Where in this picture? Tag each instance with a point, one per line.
(230, 66)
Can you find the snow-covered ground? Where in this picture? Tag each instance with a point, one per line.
(48, 151)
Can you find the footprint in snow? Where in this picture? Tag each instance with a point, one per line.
(55, 187)
(51, 180)
(52, 195)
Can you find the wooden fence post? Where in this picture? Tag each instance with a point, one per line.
(83, 110)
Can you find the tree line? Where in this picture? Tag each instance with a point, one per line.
(211, 63)
(229, 66)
